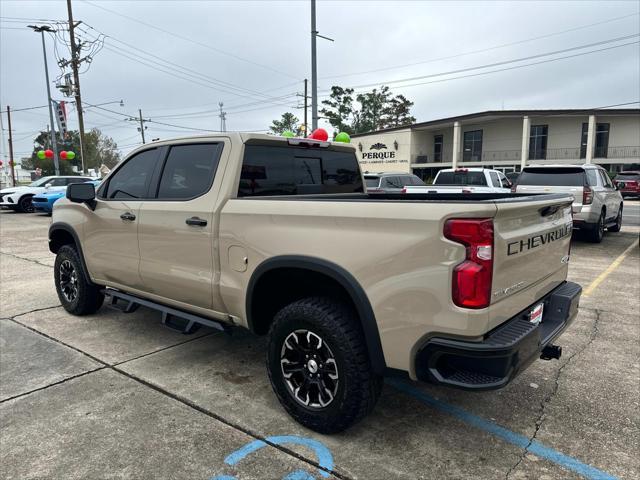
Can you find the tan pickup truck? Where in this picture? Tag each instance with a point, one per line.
(278, 236)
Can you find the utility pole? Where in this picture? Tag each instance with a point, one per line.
(13, 172)
(75, 63)
(306, 127)
(314, 67)
(142, 127)
(54, 143)
(223, 118)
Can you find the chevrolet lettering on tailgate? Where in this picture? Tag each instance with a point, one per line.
(535, 241)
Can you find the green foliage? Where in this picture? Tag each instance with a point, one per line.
(288, 122)
(98, 149)
(376, 110)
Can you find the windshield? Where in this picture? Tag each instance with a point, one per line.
(460, 178)
(372, 181)
(41, 182)
(552, 177)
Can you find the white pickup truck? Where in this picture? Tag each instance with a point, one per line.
(465, 180)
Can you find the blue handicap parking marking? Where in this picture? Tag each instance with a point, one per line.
(505, 434)
(323, 455)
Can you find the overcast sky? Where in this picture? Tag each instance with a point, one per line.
(253, 56)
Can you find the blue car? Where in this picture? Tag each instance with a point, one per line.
(43, 202)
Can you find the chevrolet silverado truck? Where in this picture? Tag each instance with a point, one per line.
(278, 235)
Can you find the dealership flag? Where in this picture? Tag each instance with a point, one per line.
(61, 117)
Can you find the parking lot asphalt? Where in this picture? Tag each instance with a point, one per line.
(116, 395)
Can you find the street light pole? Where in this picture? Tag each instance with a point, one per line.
(314, 69)
(54, 144)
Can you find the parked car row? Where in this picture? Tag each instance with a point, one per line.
(21, 198)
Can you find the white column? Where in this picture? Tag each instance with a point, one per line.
(524, 156)
(456, 144)
(591, 138)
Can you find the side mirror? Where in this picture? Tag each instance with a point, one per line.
(618, 185)
(48, 185)
(82, 193)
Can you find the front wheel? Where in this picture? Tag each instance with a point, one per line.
(618, 226)
(319, 366)
(76, 292)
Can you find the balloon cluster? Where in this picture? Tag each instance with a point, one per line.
(322, 135)
(64, 155)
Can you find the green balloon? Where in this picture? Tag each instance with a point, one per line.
(342, 137)
(41, 154)
(288, 134)
(71, 155)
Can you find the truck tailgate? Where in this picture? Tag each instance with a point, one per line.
(532, 237)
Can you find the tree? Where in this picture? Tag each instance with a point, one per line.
(288, 122)
(98, 149)
(375, 110)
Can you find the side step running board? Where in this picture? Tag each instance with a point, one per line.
(172, 318)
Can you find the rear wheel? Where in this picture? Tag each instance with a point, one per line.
(319, 366)
(597, 232)
(25, 205)
(76, 293)
(618, 225)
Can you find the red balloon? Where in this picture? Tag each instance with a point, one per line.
(63, 155)
(48, 153)
(320, 134)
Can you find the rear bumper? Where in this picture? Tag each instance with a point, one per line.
(505, 351)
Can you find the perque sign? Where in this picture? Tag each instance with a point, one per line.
(378, 155)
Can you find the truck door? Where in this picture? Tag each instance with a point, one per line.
(177, 231)
(110, 243)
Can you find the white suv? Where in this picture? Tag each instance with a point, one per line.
(597, 203)
(19, 198)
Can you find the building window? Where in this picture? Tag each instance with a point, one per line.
(472, 148)
(602, 140)
(538, 142)
(438, 142)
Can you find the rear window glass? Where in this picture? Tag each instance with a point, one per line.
(628, 176)
(460, 178)
(189, 171)
(268, 170)
(372, 181)
(565, 177)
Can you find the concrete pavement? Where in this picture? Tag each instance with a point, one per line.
(118, 396)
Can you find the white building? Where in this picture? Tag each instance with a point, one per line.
(506, 140)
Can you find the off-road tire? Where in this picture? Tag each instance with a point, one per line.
(358, 388)
(596, 233)
(25, 205)
(88, 298)
(618, 226)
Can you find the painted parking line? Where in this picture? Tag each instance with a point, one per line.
(616, 263)
(505, 434)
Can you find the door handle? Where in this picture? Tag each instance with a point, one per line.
(128, 216)
(197, 222)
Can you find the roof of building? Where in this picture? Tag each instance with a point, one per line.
(511, 113)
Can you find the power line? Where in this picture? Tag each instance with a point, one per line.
(223, 52)
(515, 67)
(504, 62)
(192, 73)
(482, 50)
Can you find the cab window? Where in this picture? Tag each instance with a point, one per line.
(189, 171)
(131, 181)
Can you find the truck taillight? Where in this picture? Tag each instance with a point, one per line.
(587, 195)
(471, 279)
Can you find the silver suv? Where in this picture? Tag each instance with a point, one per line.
(597, 203)
(390, 182)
